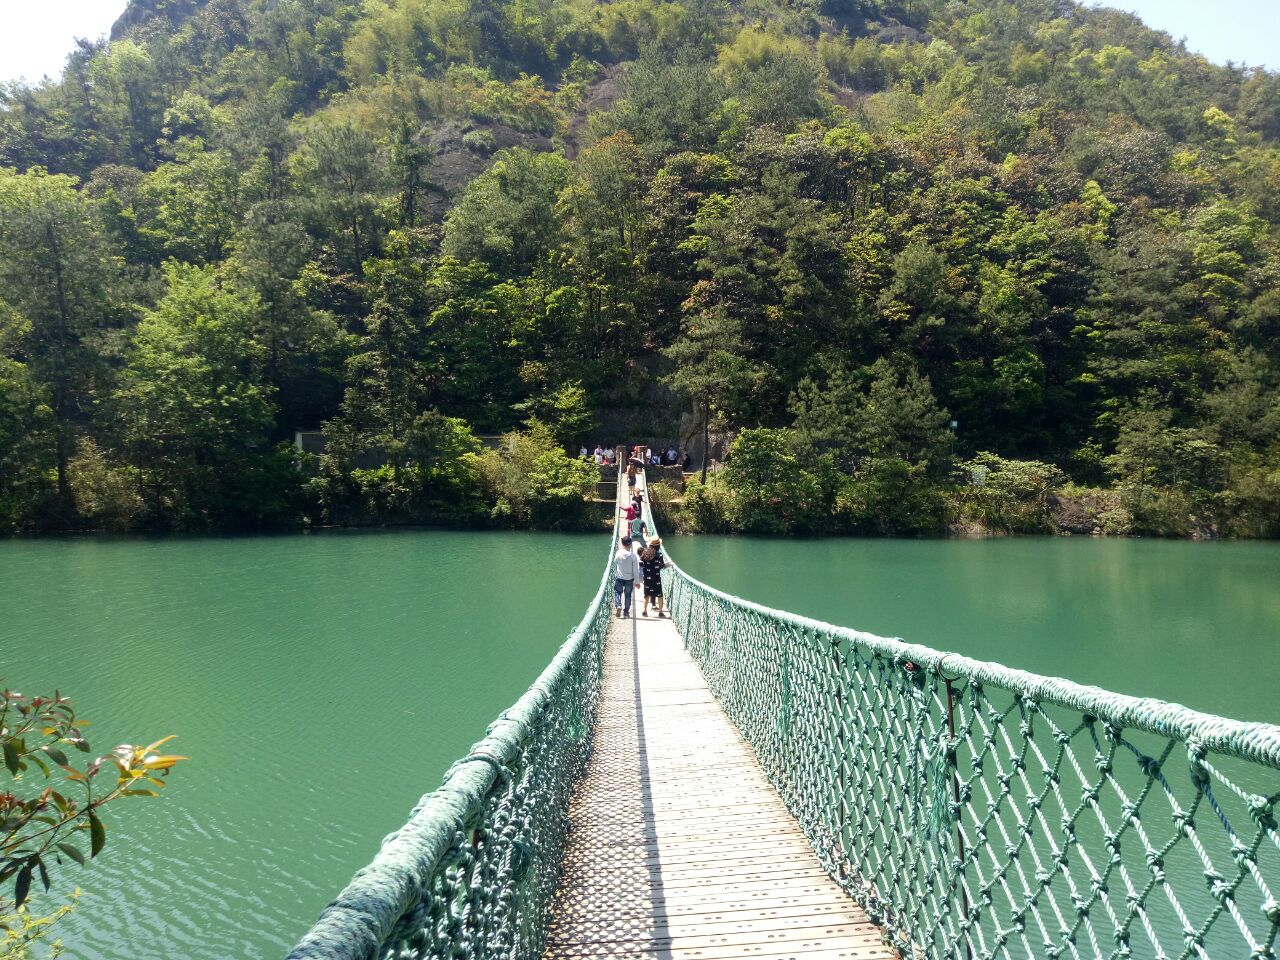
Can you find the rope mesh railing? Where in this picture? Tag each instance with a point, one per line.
(472, 873)
(977, 811)
(974, 811)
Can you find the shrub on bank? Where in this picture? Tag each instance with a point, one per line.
(706, 507)
(429, 476)
(661, 502)
(531, 482)
(106, 494)
(1089, 510)
(1172, 511)
(1009, 496)
(887, 496)
(1255, 502)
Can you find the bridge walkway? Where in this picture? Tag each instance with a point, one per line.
(678, 846)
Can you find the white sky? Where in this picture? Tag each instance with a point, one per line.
(38, 34)
(1243, 31)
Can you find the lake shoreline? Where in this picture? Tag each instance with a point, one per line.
(956, 531)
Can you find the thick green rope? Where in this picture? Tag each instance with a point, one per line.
(471, 875)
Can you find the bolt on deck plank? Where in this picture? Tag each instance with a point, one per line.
(678, 846)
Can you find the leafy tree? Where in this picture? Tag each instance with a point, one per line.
(444, 451)
(409, 163)
(772, 490)
(670, 102)
(1010, 495)
(566, 411)
(470, 330)
(776, 79)
(709, 369)
(129, 99)
(387, 377)
(506, 218)
(55, 275)
(195, 419)
(921, 299)
(27, 445)
(198, 202)
(291, 341)
(433, 478)
(888, 410)
(606, 238)
(343, 169)
(1154, 460)
(887, 496)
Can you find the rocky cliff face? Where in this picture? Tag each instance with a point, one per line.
(142, 11)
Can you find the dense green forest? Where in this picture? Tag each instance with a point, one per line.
(829, 228)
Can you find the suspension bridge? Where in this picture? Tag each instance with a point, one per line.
(744, 782)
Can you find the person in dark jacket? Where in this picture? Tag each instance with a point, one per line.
(652, 562)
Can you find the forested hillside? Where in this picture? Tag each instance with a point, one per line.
(830, 227)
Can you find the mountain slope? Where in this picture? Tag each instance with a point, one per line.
(1043, 221)
(173, 13)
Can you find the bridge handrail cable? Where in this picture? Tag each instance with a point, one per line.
(472, 872)
(979, 811)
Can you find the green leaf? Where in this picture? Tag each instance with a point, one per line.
(72, 852)
(44, 874)
(56, 755)
(97, 835)
(11, 759)
(23, 886)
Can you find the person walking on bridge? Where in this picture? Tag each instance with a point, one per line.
(634, 517)
(652, 563)
(626, 571)
(636, 528)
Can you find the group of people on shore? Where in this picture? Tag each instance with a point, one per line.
(648, 457)
(638, 563)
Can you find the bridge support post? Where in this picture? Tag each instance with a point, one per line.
(955, 793)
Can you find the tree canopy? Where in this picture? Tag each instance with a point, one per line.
(405, 221)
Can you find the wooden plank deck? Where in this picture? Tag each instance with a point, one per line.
(679, 848)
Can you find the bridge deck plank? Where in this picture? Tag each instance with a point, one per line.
(678, 845)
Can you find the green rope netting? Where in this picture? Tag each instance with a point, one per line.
(977, 811)
(471, 875)
(974, 811)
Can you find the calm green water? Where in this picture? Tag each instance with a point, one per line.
(321, 684)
